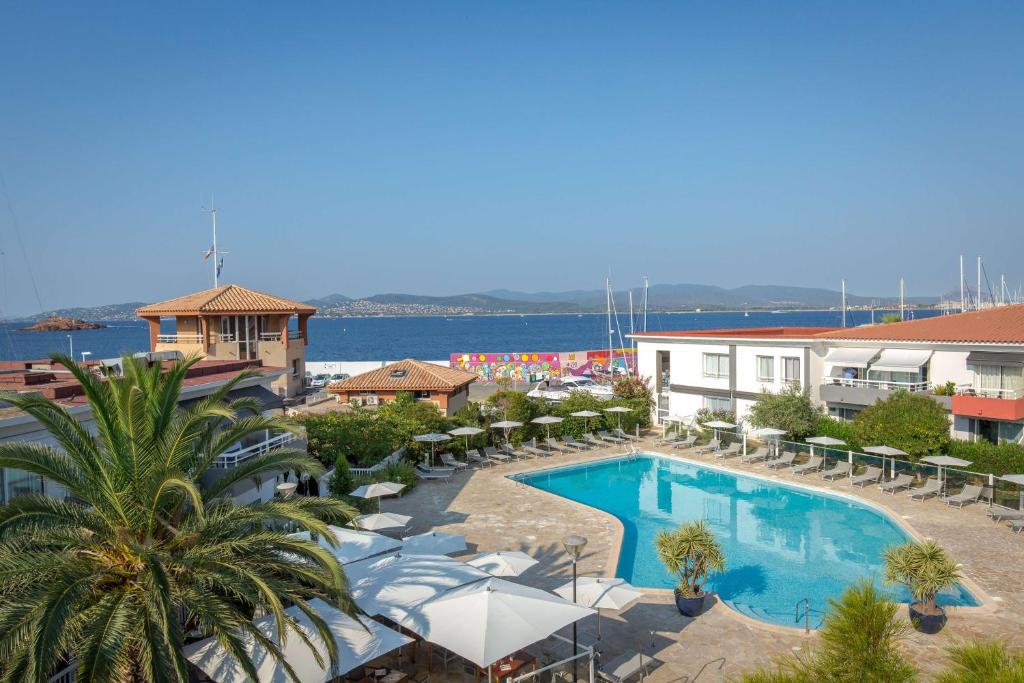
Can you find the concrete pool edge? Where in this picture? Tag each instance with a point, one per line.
(986, 604)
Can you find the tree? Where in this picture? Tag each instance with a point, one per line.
(790, 409)
(987, 661)
(924, 568)
(911, 422)
(891, 318)
(691, 552)
(139, 553)
(342, 482)
(635, 388)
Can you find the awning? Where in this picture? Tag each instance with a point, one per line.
(1006, 359)
(848, 357)
(901, 360)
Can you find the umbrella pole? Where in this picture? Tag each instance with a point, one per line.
(599, 623)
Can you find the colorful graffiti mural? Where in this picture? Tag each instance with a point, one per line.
(540, 366)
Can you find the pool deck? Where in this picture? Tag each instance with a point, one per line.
(497, 513)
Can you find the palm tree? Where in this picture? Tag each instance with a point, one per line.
(983, 661)
(138, 554)
(924, 568)
(692, 553)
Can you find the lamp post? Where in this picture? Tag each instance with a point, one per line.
(574, 544)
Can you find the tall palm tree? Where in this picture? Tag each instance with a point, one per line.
(138, 553)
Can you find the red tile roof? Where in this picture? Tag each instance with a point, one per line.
(418, 376)
(744, 333)
(226, 299)
(999, 325)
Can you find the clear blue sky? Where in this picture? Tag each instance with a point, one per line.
(440, 148)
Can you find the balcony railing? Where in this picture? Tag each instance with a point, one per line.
(294, 334)
(224, 337)
(874, 384)
(270, 336)
(180, 338)
(971, 390)
(233, 458)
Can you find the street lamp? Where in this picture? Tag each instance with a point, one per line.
(84, 354)
(574, 544)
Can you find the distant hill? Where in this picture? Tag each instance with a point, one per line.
(329, 300)
(108, 312)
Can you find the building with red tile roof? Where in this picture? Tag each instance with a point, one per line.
(447, 388)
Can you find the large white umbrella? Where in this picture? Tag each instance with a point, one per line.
(381, 520)
(771, 433)
(886, 452)
(600, 592)
(353, 545)
(487, 620)
(378, 490)
(355, 642)
(547, 421)
(466, 432)
(586, 415)
(432, 439)
(719, 424)
(945, 461)
(824, 441)
(618, 410)
(507, 426)
(1019, 480)
(503, 562)
(433, 543)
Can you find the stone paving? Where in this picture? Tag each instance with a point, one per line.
(496, 513)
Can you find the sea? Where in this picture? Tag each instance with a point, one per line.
(436, 337)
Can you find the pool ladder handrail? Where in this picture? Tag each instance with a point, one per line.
(806, 614)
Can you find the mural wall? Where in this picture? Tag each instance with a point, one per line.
(537, 367)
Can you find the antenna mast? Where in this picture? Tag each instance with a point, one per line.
(214, 250)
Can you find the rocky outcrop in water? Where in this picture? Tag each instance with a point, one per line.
(56, 323)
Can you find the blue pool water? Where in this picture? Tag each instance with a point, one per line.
(781, 543)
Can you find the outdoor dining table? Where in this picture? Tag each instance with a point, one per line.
(508, 666)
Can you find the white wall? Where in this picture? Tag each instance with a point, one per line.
(949, 366)
(687, 362)
(746, 366)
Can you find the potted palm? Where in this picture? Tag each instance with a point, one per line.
(925, 569)
(693, 553)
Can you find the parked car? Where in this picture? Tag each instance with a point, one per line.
(320, 381)
(338, 376)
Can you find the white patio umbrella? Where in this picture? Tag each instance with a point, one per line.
(771, 433)
(618, 410)
(719, 424)
(945, 461)
(356, 643)
(381, 520)
(466, 432)
(601, 592)
(353, 544)
(433, 543)
(1019, 480)
(487, 620)
(432, 438)
(378, 490)
(547, 421)
(886, 452)
(503, 562)
(506, 426)
(586, 415)
(824, 441)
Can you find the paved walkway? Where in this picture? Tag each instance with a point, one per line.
(496, 513)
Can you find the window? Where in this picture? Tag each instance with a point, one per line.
(791, 371)
(716, 404)
(716, 365)
(398, 374)
(998, 380)
(421, 395)
(295, 367)
(765, 369)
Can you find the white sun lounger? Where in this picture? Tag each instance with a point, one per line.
(625, 666)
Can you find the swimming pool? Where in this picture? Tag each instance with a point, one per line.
(782, 543)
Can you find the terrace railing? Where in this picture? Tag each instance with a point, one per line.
(180, 338)
(971, 390)
(232, 459)
(874, 384)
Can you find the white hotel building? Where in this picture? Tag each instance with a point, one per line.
(980, 353)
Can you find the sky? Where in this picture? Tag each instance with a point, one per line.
(443, 148)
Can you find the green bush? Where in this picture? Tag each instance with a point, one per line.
(947, 389)
(342, 482)
(790, 409)
(999, 459)
(914, 423)
(837, 429)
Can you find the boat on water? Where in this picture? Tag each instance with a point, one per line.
(567, 385)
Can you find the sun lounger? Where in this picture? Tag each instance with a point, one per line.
(626, 666)
(784, 460)
(591, 439)
(1017, 525)
(754, 455)
(670, 439)
(434, 473)
(608, 437)
(533, 450)
(449, 460)
(932, 487)
(810, 466)
(709, 447)
(686, 443)
(870, 476)
(493, 455)
(573, 443)
(729, 451)
(969, 494)
(902, 481)
(478, 458)
(519, 455)
(1000, 515)
(841, 469)
(624, 435)
(554, 446)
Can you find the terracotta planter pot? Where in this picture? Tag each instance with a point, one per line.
(927, 623)
(690, 607)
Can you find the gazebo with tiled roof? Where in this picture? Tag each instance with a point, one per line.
(447, 388)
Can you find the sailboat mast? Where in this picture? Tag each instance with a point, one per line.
(902, 316)
(213, 221)
(646, 286)
(844, 303)
(608, 294)
(962, 307)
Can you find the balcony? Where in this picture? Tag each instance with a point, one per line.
(180, 338)
(864, 392)
(989, 404)
(276, 336)
(239, 453)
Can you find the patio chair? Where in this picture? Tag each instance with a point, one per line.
(492, 454)
(608, 437)
(449, 460)
(755, 455)
(594, 441)
(709, 447)
(624, 435)
(518, 455)
(969, 494)
(477, 458)
(686, 443)
(434, 473)
(533, 450)
(841, 469)
(811, 465)
(625, 666)
(932, 487)
(573, 443)
(902, 481)
(729, 451)
(1000, 515)
(784, 460)
(1017, 525)
(870, 476)
(554, 446)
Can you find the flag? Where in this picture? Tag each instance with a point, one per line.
(220, 266)
(207, 253)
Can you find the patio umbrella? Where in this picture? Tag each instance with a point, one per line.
(432, 438)
(381, 520)
(598, 592)
(433, 543)
(886, 451)
(719, 424)
(547, 421)
(618, 410)
(356, 642)
(586, 415)
(466, 432)
(506, 426)
(945, 461)
(354, 545)
(503, 562)
(487, 620)
(824, 441)
(1019, 480)
(771, 433)
(378, 490)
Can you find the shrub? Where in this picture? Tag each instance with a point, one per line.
(947, 389)
(837, 429)
(999, 459)
(638, 388)
(790, 409)
(577, 401)
(692, 553)
(342, 482)
(987, 661)
(359, 436)
(911, 422)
